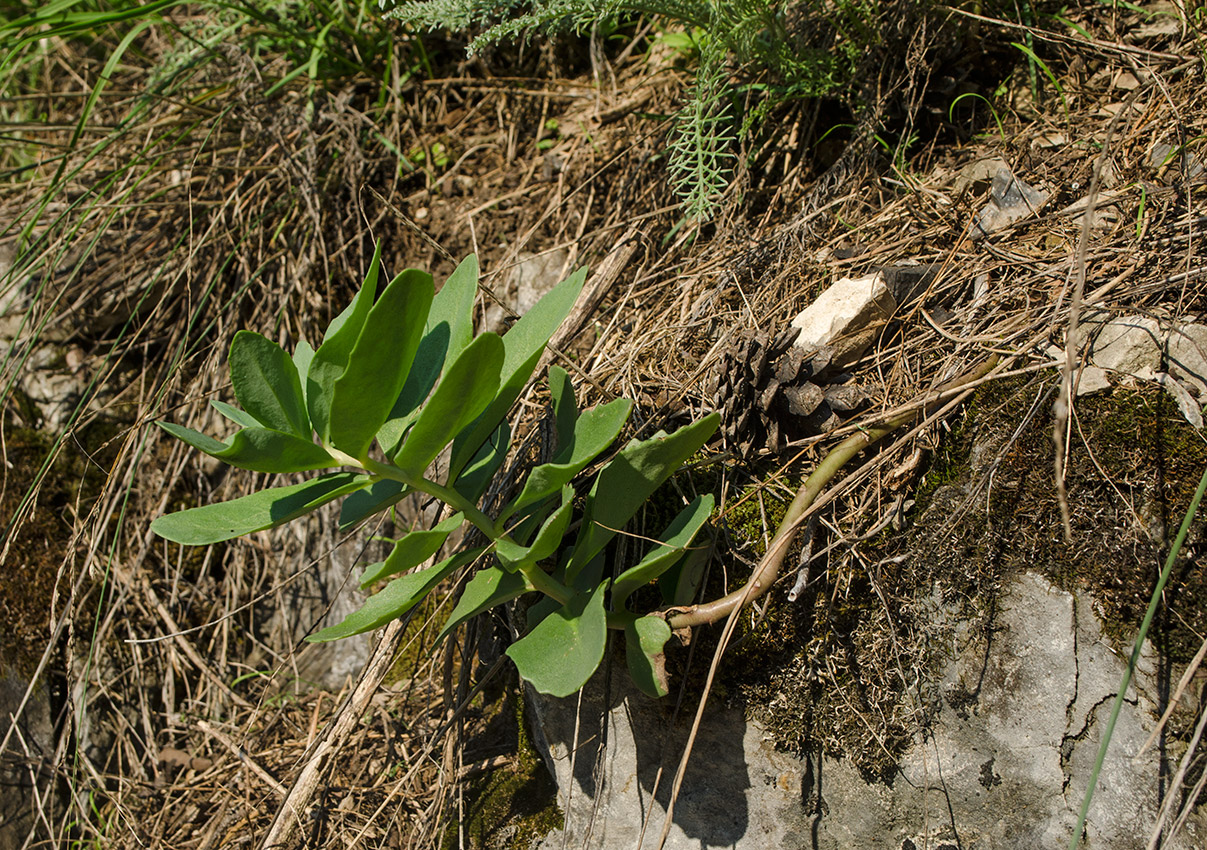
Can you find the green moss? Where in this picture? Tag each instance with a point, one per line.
(38, 541)
(416, 648)
(754, 516)
(1146, 457)
(1133, 466)
(509, 808)
(852, 667)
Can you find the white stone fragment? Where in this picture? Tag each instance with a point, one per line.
(1090, 380)
(846, 318)
(1187, 356)
(1130, 345)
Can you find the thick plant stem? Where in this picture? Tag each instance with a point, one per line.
(769, 567)
(445, 494)
(545, 583)
(537, 578)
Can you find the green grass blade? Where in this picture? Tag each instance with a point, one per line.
(1043, 66)
(1153, 602)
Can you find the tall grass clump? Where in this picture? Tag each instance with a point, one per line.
(165, 168)
(110, 110)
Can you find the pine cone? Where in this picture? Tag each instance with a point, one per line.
(767, 393)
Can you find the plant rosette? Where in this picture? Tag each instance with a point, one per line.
(399, 378)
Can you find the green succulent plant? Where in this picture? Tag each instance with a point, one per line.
(399, 378)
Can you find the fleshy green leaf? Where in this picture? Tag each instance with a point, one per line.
(524, 344)
(565, 406)
(302, 355)
(412, 550)
(522, 532)
(584, 582)
(240, 417)
(489, 587)
(255, 512)
(628, 480)
(560, 654)
(258, 449)
(466, 388)
(663, 555)
(266, 384)
(196, 439)
(680, 584)
(331, 359)
(364, 393)
(539, 610)
(593, 432)
(347, 325)
(644, 641)
(513, 556)
(364, 503)
(449, 328)
(395, 599)
(476, 476)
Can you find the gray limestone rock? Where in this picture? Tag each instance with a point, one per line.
(525, 284)
(1003, 765)
(1188, 356)
(1129, 344)
(1006, 762)
(327, 591)
(738, 790)
(1010, 200)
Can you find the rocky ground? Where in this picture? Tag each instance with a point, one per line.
(936, 664)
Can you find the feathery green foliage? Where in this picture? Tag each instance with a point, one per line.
(813, 57)
(701, 145)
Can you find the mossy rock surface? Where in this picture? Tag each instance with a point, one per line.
(852, 667)
(513, 806)
(39, 527)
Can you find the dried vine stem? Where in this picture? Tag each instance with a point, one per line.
(768, 570)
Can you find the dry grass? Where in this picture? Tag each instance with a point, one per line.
(183, 712)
